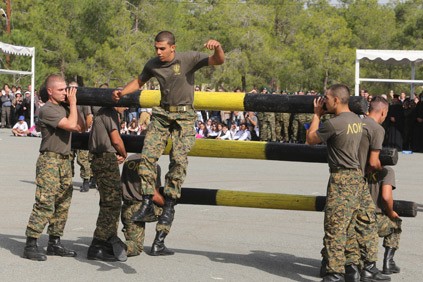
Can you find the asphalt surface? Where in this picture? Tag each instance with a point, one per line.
(211, 243)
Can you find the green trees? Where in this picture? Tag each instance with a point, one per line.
(283, 44)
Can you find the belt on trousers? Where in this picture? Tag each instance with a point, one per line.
(177, 109)
(99, 155)
(55, 155)
(336, 170)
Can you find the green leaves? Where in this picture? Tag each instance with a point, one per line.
(283, 44)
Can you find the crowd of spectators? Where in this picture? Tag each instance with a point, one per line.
(15, 109)
(403, 127)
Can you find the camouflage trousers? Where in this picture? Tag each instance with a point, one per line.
(267, 127)
(390, 230)
(282, 126)
(83, 159)
(344, 190)
(134, 232)
(52, 196)
(106, 170)
(362, 241)
(180, 128)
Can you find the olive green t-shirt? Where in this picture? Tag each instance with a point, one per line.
(342, 135)
(130, 180)
(176, 78)
(372, 139)
(105, 121)
(375, 181)
(54, 139)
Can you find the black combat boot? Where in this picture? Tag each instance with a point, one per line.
(55, 248)
(31, 250)
(100, 250)
(352, 273)
(119, 248)
(168, 213)
(370, 273)
(159, 248)
(93, 183)
(85, 186)
(333, 277)
(389, 265)
(146, 212)
(323, 264)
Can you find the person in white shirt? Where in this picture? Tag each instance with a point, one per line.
(225, 134)
(243, 134)
(21, 127)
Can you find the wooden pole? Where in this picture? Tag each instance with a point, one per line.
(223, 101)
(241, 150)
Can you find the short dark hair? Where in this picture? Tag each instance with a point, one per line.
(341, 91)
(378, 103)
(165, 36)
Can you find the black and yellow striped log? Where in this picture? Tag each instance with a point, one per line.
(223, 101)
(242, 150)
(217, 197)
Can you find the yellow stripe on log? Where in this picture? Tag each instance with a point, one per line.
(150, 98)
(225, 149)
(265, 200)
(221, 101)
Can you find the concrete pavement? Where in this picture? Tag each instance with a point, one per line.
(211, 243)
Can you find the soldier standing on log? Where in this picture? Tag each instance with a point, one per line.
(174, 118)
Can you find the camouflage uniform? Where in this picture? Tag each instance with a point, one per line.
(134, 231)
(106, 169)
(179, 126)
(363, 231)
(83, 159)
(390, 230)
(342, 203)
(267, 126)
(52, 196)
(53, 175)
(282, 127)
(298, 129)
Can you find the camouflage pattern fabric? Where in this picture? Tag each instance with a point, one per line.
(282, 127)
(180, 128)
(298, 129)
(267, 126)
(134, 231)
(390, 230)
(52, 196)
(342, 204)
(84, 161)
(106, 171)
(362, 241)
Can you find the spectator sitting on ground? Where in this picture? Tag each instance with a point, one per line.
(213, 132)
(224, 134)
(234, 129)
(123, 128)
(202, 131)
(21, 127)
(133, 127)
(243, 134)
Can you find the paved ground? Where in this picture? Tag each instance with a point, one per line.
(211, 243)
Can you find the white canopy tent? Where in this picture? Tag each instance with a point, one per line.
(390, 56)
(22, 51)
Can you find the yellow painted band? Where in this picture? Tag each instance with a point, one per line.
(222, 101)
(225, 149)
(149, 98)
(265, 200)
